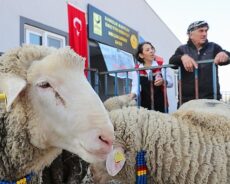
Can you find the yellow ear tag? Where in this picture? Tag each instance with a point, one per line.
(3, 98)
(119, 156)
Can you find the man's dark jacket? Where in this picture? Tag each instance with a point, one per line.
(208, 51)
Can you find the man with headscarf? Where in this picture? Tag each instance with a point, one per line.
(186, 56)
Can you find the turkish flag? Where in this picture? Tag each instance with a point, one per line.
(78, 32)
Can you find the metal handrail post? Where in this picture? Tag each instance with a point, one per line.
(127, 83)
(138, 89)
(196, 84)
(116, 85)
(165, 91)
(180, 86)
(96, 87)
(214, 80)
(106, 85)
(151, 89)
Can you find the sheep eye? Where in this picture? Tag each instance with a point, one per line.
(44, 85)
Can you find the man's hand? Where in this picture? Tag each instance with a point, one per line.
(188, 63)
(221, 57)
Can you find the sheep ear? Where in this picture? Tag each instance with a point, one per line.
(11, 85)
(115, 161)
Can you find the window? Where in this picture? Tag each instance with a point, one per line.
(53, 42)
(34, 35)
(33, 32)
(33, 38)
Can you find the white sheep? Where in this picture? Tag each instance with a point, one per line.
(207, 105)
(50, 107)
(118, 102)
(189, 146)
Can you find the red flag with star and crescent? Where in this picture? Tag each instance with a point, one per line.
(78, 32)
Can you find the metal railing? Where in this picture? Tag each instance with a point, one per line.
(116, 83)
(127, 84)
(93, 78)
(196, 84)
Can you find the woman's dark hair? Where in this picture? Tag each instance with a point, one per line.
(140, 50)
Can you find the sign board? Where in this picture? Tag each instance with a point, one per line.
(105, 29)
(116, 59)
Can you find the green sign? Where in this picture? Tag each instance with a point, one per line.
(105, 29)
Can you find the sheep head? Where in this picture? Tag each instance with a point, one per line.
(62, 109)
(119, 102)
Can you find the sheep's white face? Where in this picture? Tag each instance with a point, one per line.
(68, 113)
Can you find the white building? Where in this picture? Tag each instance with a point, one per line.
(46, 22)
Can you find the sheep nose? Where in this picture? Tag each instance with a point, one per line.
(107, 141)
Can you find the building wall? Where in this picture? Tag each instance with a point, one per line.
(51, 13)
(136, 14)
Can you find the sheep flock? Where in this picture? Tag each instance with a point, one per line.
(191, 145)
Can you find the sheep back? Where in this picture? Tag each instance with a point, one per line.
(188, 146)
